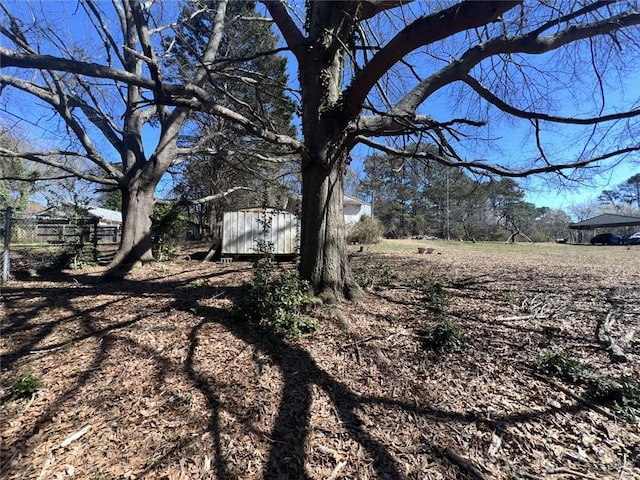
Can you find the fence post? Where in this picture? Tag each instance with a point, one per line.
(7, 240)
(95, 239)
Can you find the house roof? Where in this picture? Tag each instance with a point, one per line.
(105, 214)
(349, 200)
(605, 220)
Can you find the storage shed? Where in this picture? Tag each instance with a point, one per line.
(243, 229)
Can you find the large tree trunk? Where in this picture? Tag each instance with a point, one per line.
(323, 256)
(135, 247)
(138, 194)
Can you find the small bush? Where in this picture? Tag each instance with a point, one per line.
(622, 394)
(560, 364)
(372, 274)
(434, 293)
(443, 336)
(168, 224)
(367, 231)
(508, 296)
(25, 384)
(277, 299)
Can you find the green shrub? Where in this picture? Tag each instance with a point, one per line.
(25, 384)
(508, 296)
(277, 299)
(560, 364)
(367, 231)
(168, 224)
(434, 293)
(623, 394)
(443, 336)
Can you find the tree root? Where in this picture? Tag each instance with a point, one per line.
(463, 464)
(575, 396)
(603, 335)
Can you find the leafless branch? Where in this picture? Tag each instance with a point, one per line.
(37, 179)
(43, 159)
(526, 43)
(213, 198)
(481, 166)
(292, 35)
(422, 31)
(505, 107)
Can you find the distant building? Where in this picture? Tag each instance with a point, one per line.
(355, 209)
(581, 232)
(105, 216)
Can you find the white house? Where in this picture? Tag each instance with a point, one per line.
(355, 209)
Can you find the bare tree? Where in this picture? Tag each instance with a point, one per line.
(362, 84)
(107, 100)
(368, 71)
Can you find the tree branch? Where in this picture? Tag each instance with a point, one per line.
(371, 8)
(527, 43)
(505, 107)
(60, 103)
(292, 35)
(110, 43)
(149, 56)
(212, 198)
(570, 16)
(480, 166)
(423, 31)
(38, 179)
(382, 125)
(211, 51)
(9, 58)
(40, 157)
(204, 104)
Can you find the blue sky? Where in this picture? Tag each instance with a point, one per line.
(514, 140)
(543, 191)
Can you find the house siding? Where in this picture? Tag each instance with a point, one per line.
(353, 213)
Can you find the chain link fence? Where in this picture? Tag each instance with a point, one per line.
(36, 243)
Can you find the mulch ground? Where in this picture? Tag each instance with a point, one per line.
(153, 377)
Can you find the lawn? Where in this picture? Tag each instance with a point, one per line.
(153, 377)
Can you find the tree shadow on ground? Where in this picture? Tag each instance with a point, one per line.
(300, 373)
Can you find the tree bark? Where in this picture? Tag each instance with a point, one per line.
(135, 247)
(324, 260)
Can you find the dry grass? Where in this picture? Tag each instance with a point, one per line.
(160, 381)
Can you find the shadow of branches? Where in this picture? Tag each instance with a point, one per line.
(175, 301)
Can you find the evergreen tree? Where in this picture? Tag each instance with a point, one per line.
(251, 82)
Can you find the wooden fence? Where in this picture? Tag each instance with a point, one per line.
(28, 230)
(35, 238)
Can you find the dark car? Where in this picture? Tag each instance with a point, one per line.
(606, 239)
(632, 239)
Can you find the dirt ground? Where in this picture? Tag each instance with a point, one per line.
(152, 377)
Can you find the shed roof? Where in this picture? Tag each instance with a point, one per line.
(105, 214)
(605, 220)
